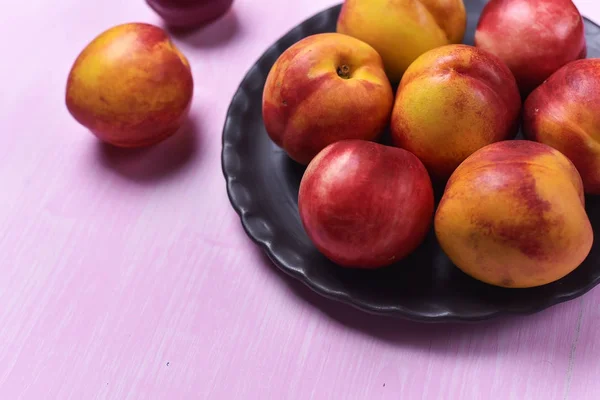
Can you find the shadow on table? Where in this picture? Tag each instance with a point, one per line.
(437, 337)
(214, 34)
(149, 165)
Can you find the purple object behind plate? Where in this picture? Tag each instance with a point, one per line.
(189, 13)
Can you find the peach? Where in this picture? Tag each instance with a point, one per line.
(325, 88)
(365, 205)
(533, 37)
(130, 86)
(403, 30)
(513, 215)
(563, 113)
(452, 101)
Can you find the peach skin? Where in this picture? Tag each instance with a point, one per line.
(452, 101)
(325, 88)
(563, 113)
(513, 215)
(402, 30)
(130, 86)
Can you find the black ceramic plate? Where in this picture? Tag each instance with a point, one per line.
(262, 183)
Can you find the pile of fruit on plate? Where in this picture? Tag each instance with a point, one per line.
(512, 213)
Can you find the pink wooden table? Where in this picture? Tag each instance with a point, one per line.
(127, 275)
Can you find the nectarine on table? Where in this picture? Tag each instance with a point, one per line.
(189, 13)
(452, 101)
(513, 215)
(403, 30)
(365, 205)
(324, 88)
(131, 86)
(533, 37)
(564, 112)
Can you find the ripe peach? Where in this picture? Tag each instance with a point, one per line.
(513, 215)
(365, 205)
(403, 30)
(563, 113)
(533, 37)
(130, 86)
(452, 101)
(326, 87)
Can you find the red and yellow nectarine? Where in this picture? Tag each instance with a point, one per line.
(563, 112)
(131, 86)
(325, 88)
(452, 101)
(513, 215)
(365, 205)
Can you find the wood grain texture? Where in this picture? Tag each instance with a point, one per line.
(127, 275)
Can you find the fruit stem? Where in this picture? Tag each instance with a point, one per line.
(344, 71)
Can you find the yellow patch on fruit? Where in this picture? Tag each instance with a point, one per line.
(402, 30)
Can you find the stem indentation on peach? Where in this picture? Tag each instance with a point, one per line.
(344, 71)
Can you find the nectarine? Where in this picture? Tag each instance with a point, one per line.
(533, 37)
(131, 86)
(452, 101)
(189, 13)
(326, 87)
(563, 112)
(365, 205)
(513, 215)
(403, 30)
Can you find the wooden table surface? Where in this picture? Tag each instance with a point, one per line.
(127, 275)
